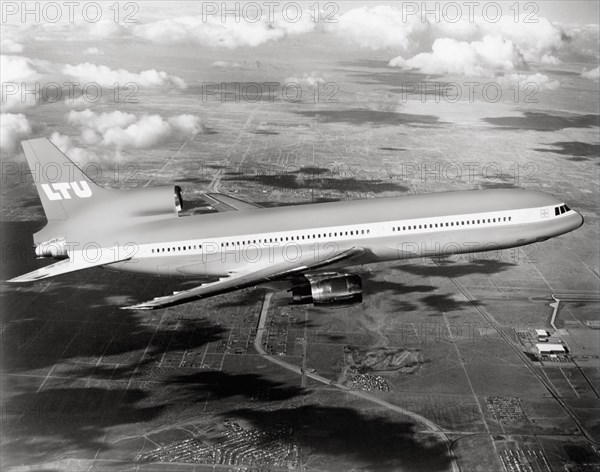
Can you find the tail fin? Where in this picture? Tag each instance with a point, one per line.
(63, 187)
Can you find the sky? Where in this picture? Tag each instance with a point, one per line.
(171, 47)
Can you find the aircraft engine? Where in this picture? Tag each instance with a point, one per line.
(328, 289)
(55, 248)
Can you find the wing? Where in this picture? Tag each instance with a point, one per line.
(240, 280)
(223, 203)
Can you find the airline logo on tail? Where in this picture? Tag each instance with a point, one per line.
(62, 190)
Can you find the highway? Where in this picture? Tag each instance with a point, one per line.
(430, 426)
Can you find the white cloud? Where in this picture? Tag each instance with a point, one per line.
(93, 51)
(8, 46)
(100, 121)
(379, 27)
(106, 77)
(535, 41)
(186, 125)
(75, 31)
(550, 59)
(75, 153)
(15, 127)
(582, 43)
(382, 27)
(14, 70)
(463, 48)
(214, 32)
(476, 59)
(226, 64)
(20, 69)
(592, 74)
(306, 79)
(542, 81)
(125, 130)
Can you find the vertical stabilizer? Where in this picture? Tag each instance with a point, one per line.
(64, 189)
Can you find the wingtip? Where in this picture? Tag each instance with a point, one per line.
(22, 278)
(137, 307)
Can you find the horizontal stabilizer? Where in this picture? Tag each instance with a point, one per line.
(76, 261)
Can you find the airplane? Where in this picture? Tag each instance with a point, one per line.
(243, 245)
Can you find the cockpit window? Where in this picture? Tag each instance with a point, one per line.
(567, 208)
(556, 211)
(562, 209)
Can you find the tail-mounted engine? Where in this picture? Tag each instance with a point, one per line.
(178, 199)
(56, 248)
(327, 289)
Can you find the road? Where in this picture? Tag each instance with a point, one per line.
(519, 352)
(430, 426)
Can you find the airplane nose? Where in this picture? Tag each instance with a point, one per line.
(581, 218)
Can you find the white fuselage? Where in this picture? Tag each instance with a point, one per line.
(382, 227)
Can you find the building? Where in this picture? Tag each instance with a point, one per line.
(548, 349)
(542, 335)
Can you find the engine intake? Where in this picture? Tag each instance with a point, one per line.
(55, 248)
(328, 289)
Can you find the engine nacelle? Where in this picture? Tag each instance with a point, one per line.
(328, 289)
(55, 248)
